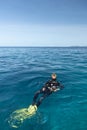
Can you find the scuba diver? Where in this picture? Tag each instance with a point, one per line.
(18, 116)
(51, 86)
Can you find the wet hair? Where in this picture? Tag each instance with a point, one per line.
(54, 75)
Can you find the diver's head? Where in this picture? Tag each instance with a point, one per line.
(53, 76)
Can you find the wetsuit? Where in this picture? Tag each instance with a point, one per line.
(46, 90)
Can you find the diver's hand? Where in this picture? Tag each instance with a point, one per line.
(56, 89)
(43, 89)
(50, 89)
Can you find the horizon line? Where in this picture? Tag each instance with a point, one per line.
(39, 46)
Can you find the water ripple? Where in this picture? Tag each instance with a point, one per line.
(25, 70)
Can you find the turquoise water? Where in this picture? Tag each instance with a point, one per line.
(25, 70)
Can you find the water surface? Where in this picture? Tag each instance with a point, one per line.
(25, 70)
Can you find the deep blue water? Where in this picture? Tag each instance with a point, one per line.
(25, 70)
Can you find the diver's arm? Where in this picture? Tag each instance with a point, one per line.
(55, 88)
(59, 85)
(46, 85)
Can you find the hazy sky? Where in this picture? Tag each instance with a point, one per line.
(43, 22)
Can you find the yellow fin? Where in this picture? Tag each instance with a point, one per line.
(18, 116)
(32, 109)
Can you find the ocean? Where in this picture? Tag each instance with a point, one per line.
(24, 70)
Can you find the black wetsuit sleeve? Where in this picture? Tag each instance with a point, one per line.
(47, 84)
(59, 85)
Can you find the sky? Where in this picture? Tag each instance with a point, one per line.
(43, 22)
